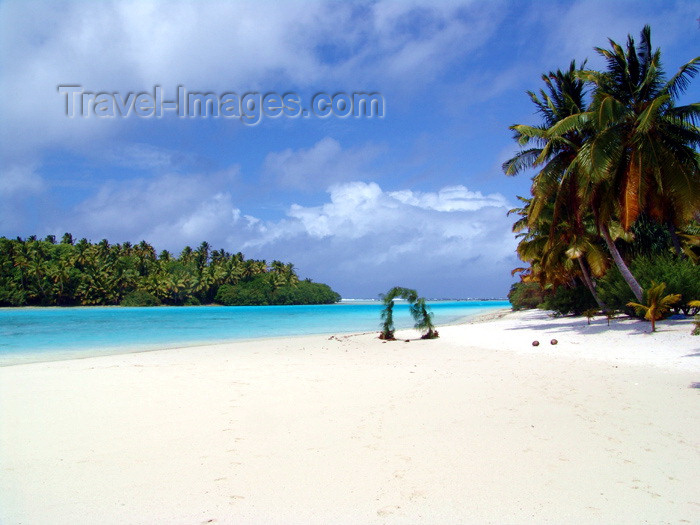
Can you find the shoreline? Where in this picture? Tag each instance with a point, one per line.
(476, 426)
(20, 358)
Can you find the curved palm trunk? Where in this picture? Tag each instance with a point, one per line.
(589, 282)
(624, 270)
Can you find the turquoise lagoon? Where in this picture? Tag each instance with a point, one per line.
(44, 334)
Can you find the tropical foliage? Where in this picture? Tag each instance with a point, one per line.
(260, 291)
(696, 305)
(658, 304)
(419, 310)
(50, 273)
(617, 180)
(523, 295)
(424, 319)
(680, 275)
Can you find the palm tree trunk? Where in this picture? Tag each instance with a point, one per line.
(589, 282)
(624, 270)
(674, 239)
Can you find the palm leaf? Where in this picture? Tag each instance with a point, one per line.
(677, 85)
(650, 114)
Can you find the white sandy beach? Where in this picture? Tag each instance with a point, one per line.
(475, 427)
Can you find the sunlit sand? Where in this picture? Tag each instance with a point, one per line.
(477, 426)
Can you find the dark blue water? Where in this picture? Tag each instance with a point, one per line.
(35, 334)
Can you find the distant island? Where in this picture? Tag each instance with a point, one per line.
(46, 272)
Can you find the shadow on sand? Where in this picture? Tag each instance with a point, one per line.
(600, 325)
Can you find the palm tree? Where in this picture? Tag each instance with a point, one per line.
(202, 255)
(555, 216)
(642, 152)
(387, 316)
(290, 275)
(556, 181)
(554, 251)
(423, 318)
(186, 255)
(657, 305)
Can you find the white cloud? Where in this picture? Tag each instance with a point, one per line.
(576, 28)
(450, 243)
(17, 180)
(131, 46)
(143, 156)
(453, 242)
(169, 211)
(451, 198)
(319, 166)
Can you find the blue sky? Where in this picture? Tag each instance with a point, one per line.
(416, 198)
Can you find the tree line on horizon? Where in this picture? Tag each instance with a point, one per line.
(614, 206)
(47, 272)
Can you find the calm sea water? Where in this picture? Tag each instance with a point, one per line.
(41, 334)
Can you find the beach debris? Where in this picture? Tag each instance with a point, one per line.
(554, 341)
(535, 343)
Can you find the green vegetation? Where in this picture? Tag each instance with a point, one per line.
(696, 306)
(260, 291)
(47, 273)
(657, 305)
(680, 275)
(565, 300)
(140, 298)
(524, 295)
(615, 199)
(423, 318)
(418, 308)
(590, 314)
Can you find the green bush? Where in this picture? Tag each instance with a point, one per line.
(305, 292)
(241, 294)
(140, 298)
(680, 275)
(615, 292)
(11, 296)
(570, 300)
(259, 291)
(525, 295)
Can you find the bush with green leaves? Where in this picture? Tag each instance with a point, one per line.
(252, 293)
(525, 295)
(260, 291)
(140, 298)
(680, 275)
(304, 292)
(570, 300)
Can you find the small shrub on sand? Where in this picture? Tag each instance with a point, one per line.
(657, 305)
